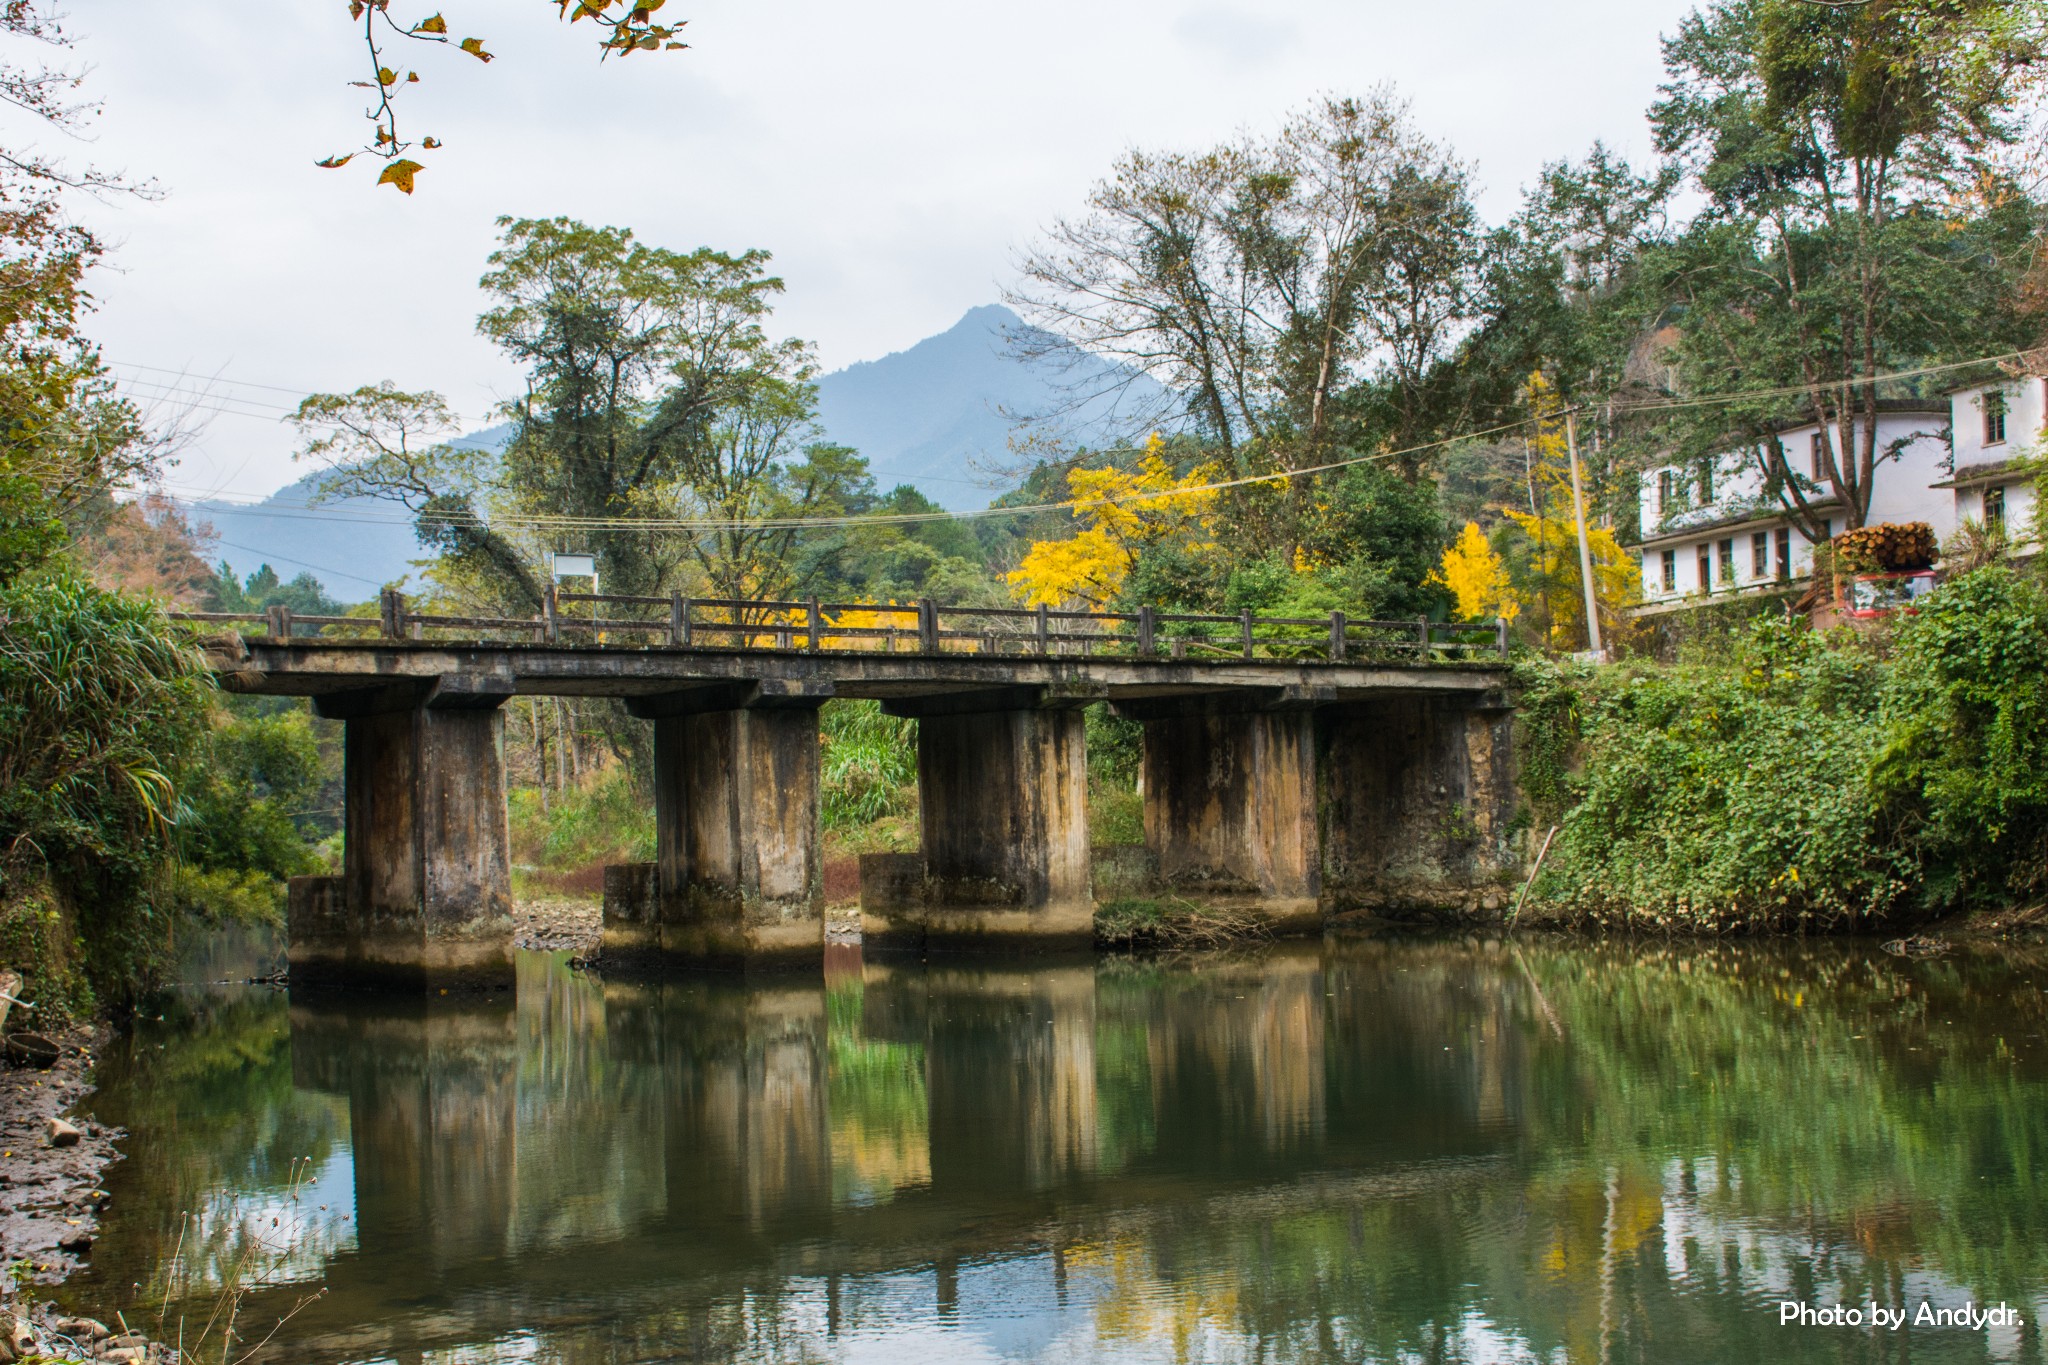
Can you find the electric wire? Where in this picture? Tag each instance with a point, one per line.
(559, 522)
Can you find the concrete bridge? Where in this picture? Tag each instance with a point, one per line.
(1292, 767)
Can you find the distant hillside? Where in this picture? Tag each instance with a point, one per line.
(354, 547)
(940, 413)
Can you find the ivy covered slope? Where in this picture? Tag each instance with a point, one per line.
(1801, 779)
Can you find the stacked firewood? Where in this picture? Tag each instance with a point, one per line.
(1886, 548)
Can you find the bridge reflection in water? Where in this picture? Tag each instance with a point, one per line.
(1331, 1148)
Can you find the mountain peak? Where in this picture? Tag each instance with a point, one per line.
(937, 413)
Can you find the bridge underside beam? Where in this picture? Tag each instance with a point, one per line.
(424, 897)
(1005, 865)
(738, 876)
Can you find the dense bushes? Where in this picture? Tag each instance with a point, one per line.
(1803, 779)
(869, 764)
(101, 708)
(243, 804)
(1963, 775)
(558, 842)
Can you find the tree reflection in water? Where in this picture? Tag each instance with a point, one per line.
(1363, 1151)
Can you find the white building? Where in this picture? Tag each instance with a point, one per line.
(1710, 531)
(1994, 425)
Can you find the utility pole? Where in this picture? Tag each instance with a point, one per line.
(1571, 438)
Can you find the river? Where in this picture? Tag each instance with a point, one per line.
(1369, 1150)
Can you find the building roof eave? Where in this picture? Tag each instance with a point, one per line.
(1733, 522)
(1969, 476)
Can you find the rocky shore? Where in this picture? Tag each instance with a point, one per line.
(53, 1155)
(557, 925)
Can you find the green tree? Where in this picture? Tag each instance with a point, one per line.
(1858, 218)
(654, 394)
(1262, 278)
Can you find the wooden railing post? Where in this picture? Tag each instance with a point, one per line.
(1147, 624)
(817, 623)
(689, 615)
(1500, 635)
(551, 625)
(927, 625)
(676, 629)
(1422, 639)
(1338, 628)
(278, 621)
(1044, 630)
(1244, 630)
(391, 612)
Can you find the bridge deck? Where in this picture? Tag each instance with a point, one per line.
(314, 666)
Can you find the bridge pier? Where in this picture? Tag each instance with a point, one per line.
(1418, 797)
(1003, 793)
(738, 878)
(1230, 805)
(424, 898)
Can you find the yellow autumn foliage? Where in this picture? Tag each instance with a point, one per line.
(1478, 578)
(1123, 510)
(1549, 584)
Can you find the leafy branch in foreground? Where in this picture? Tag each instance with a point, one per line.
(628, 26)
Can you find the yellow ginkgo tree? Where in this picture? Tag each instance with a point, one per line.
(1548, 579)
(1123, 511)
(1477, 576)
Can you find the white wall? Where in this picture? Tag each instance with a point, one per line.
(2024, 399)
(1901, 492)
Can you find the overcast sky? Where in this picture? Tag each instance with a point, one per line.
(892, 156)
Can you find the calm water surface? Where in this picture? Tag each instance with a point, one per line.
(1366, 1151)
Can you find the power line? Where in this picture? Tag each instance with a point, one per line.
(300, 563)
(184, 373)
(545, 522)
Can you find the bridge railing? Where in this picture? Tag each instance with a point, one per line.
(923, 627)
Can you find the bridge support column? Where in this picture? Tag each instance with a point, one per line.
(1003, 792)
(1230, 807)
(738, 878)
(1418, 796)
(424, 899)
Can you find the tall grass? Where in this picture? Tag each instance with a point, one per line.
(609, 819)
(869, 764)
(102, 709)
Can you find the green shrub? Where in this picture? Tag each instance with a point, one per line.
(1804, 779)
(104, 710)
(1736, 796)
(869, 762)
(1963, 775)
(243, 804)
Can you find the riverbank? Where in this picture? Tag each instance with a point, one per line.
(50, 1178)
(54, 1154)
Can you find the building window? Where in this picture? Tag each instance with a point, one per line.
(1994, 509)
(1760, 555)
(1706, 485)
(1670, 567)
(1667, 492)
(1784, 553)
(1706, 563)
(1819, 456)
(1727, 574)
(1994, 418)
